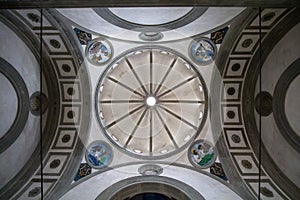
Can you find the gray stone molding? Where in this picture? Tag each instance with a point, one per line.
(279, 106)
(268, 44)
(77, 151)
(23, 104)
(109, 16)
(55, 162)
(224, 155)
(32, 41)
(143, 163)
(152, 184)
(248, 131)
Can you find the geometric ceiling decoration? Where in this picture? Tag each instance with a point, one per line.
(218, 36)
(240, 65)
(151, 102)
(217, 170)
(83, 171)
(83, 37)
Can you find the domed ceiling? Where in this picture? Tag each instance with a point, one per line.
(144, 105)
(182, 97)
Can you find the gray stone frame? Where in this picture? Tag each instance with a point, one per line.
(23, 104)
(249, 108)
(10, 19)
(224, 155)
(109, 16)
(279, 106)
(154, 184)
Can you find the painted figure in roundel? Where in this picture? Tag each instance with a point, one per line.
(99, 155)
(202, 154)
(203, 51)
(99, 51)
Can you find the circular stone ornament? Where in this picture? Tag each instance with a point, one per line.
(202, 154)
(99, 154)
(99, 51)
(202, 51)
(38, 101)
(151, 36)
(151, 102)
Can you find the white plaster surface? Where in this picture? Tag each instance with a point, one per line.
(285, 53)
(8, 105)
(14, 51)
(292, 105)
(150, 16)
(208, 187)
(212, 18)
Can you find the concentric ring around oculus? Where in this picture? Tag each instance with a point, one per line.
(174, 118)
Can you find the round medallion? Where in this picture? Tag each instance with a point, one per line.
(98, 51)
(151, 102)
(202, 154)
(38, 101)
(202, 51)
(99, 154)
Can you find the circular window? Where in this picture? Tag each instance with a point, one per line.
(98, 51)
(203, 51)
(151, 102)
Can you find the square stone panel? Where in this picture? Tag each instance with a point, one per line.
(55, 44)
(70, 91)
(55, 163)
(231, 114)
(66, 138)
(231, 91)
(235, 138)
(32, 18)
(268, 189)
(71, 114)
(270, 16)
(246, 163)
(65, 68)
(236, 67)
(33, 190)
(247, 43)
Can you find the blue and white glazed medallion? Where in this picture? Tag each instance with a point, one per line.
(202, 51)
(202, 154)
(99, 154)
(98, 51)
